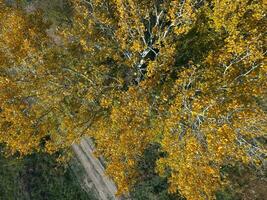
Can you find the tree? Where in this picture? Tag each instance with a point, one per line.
(188, 75)
(39, 176)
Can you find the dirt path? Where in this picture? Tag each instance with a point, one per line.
(94, 169)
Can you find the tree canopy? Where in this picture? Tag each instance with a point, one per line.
(187, 75)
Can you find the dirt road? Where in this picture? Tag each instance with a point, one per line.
(104, 186)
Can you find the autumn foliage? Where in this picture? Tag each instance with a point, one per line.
(189, 75)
